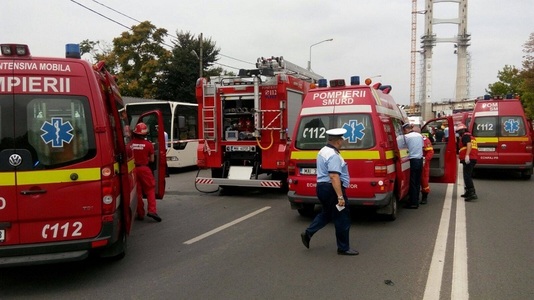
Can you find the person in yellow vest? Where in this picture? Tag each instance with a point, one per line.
(468, 154)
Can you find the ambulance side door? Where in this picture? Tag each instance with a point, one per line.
(444, 163)
(156, 134)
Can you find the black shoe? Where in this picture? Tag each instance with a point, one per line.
(348, 252)
(423, 202)
(411, 206)
(471, 197)
(154, 216)
(305, 239)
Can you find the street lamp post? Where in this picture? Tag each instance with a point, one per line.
(309, 61)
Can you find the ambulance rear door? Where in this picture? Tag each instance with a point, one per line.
(156, 134)
(9, 156)
(444, 163)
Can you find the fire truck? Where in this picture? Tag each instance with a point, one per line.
(67, 181)
(246, 122)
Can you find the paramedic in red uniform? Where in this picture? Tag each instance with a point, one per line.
(146, 184)
(468, 158)
(428, 152)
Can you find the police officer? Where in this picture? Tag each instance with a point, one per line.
(468, 157)
(332, 180)
(414, 142)
(143, 151)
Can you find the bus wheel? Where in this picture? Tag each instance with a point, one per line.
(306, 210)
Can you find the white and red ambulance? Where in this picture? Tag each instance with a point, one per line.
(503, 134)
(379, 171)
(67, 186)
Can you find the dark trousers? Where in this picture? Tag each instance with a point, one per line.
(328, 197)
(468, 174)
(416, 169)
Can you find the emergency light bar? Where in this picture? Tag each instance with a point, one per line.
(72, 51)
(337, 82)
(15, 50)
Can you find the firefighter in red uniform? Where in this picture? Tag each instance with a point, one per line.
(468, 157)
(428, 152)
(146, 184)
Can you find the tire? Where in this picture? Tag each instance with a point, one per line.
(307, 210)
(389, 212)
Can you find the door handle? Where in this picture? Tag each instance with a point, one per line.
(32, 192)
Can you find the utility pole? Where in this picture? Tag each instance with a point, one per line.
(200, 56)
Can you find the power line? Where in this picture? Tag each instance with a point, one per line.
(134, 19)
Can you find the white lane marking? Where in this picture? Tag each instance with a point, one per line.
(211, 232)
(435, 274)
(460, 287)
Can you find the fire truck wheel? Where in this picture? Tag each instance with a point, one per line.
(307, 210)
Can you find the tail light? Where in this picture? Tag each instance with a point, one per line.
(291, 168)
(108, 190)
(381, 170)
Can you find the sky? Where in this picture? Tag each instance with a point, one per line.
(370, 38)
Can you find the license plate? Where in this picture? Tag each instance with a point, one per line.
(486, 149)
(308, 171)
(2, 235)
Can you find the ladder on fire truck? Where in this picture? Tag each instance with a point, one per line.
(281, 66)
(266, 67)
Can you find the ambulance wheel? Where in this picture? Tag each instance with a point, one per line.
(389, 212)
(306, 210)
(117, 251)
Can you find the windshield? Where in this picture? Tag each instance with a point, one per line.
(311, 133)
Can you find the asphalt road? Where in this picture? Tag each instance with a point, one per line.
(247, 245)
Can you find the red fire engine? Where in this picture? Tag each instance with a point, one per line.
(247, 122)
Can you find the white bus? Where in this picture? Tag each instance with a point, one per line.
(180, 120)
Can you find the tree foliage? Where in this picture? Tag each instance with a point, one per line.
(180, 73)
(527, 74)
(146, 69)
(509, 82)
(518, 81)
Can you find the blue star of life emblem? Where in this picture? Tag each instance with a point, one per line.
(57, 132)
(511, 126)
(354, 131)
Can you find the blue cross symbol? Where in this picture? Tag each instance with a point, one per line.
(354, 131)
(57, 132)
(511, 126)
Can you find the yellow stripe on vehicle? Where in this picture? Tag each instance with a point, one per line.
(57, 176)
(7, 179)
(481, 140)
(346, 154)
(513, 139)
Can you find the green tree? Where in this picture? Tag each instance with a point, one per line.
(136, 59)
(527, 74)
(181, 71)
(509, 82)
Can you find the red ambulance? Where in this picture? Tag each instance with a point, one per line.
(379, 171)
(503, 134)
(67, 186)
